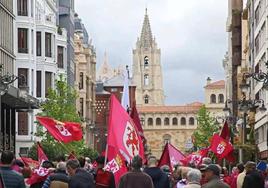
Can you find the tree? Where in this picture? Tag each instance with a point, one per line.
(60, 105)
(207, 126)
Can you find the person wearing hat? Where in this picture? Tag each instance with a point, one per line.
(202, 169)
(212, 175)
(253, 178)
(136, 178)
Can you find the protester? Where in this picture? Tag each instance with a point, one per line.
(59, 179)
(240, 178)
(212, 175)
(103, 179)
(193, 179)
(202, 169)
(206, 161)
(183, 181)
(10, 178)
(136, 178)
(253, 178)
(226, 177)
(235, 173)
(78, 176)
(160, 178)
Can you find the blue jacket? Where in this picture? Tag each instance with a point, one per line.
(160, 178)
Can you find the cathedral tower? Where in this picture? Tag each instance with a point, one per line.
(147, 72)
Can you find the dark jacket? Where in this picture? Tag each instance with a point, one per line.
(57, 180)
(160, 178)
(253, 180)
(136, 179)
(11, 179)
(81, 179)
(215, 183)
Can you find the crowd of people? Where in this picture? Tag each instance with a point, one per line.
(80, 173)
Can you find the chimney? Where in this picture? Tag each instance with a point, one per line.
(208, 80)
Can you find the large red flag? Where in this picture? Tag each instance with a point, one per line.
(135, 116)
(170, 156)
(220, 146)
(122, 132)
(41, 154)
(62, 131)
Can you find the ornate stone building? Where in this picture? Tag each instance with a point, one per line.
(85, 66)
(147, 71)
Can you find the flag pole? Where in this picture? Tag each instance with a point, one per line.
(106, 154)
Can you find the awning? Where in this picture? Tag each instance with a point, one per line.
(18, 99)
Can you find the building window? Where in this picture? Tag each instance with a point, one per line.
(22, 123)
(22, 7)
(48, 45)
(81, 111)
(183, 121)
(166, 121)
(38, 83)
(81, 80)
(191, 121)
(212, 98)
(60, 57)
(48, 83)
(146, 99)
(24, 151)
(23, 77)
(22, 40)
(146, 79)
(38, 43)
(221, 98)
(174, 121)
(146, 62)
(150, 121)
(158, 121)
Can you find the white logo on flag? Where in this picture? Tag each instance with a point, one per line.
(112, 166)
(130, 140)
(41, 171)
(63, 130)
(173, 161)
(220, 148)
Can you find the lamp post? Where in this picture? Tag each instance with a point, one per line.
(245, 105)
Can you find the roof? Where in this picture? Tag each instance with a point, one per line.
(146, 32)
(188, 108)
(117, 80)
(216, 85)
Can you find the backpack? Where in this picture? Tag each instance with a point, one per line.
(103, 178)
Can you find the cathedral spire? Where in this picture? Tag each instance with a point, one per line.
(146, 33)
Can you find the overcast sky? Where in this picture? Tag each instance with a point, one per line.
(191, 34)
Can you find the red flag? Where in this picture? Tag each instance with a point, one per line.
(170, 156)
(116, 164)
(204, 152)
(122, 132)
(62, 131)
(39, 174)
(225, 132)
(135, 116)
(220, 146)
(29, 162)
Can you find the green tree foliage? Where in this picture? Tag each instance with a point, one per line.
(60, 105)
(207, 126)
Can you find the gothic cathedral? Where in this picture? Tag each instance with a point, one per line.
(147, 72)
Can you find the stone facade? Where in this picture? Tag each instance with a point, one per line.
(85, 66)
(168, 124)
(147, 71)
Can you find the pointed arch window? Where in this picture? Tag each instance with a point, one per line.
(146, 62)
(146, 79)
(146, 99)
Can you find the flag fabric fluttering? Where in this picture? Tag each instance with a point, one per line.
(170, 156)
(220, 146)
(225, 132)
(62, 131)
(122, 132)
(40, 173)
(125, 96)
(135, 117)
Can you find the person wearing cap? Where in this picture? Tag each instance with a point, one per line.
(202, 169)
(253, 178)
(136, 178)
(212, 175)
